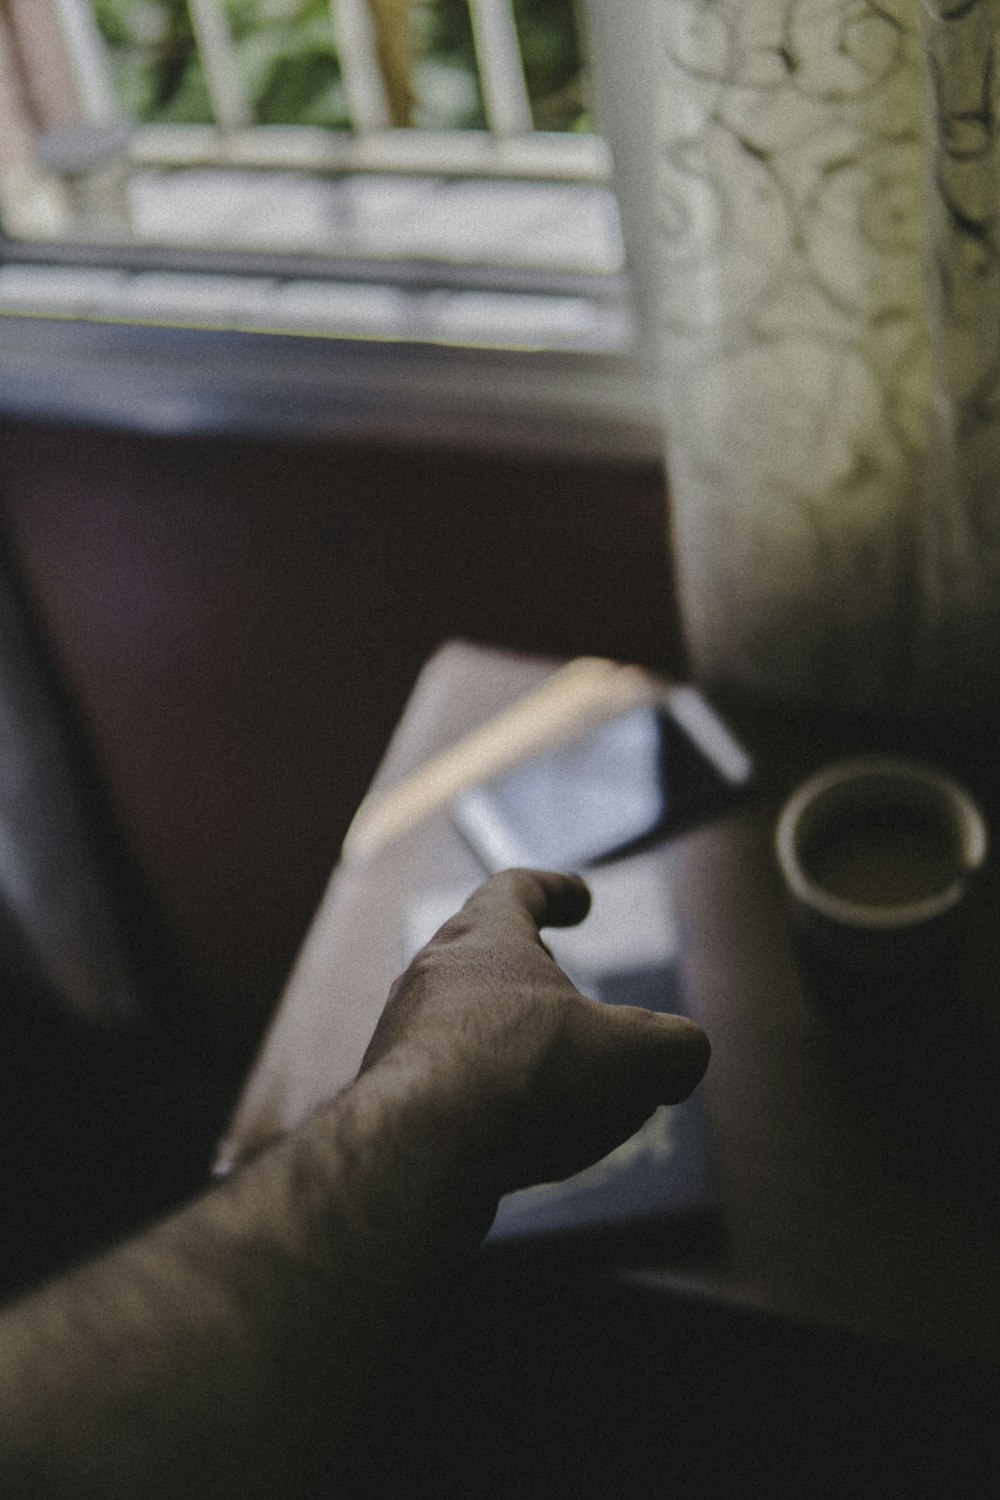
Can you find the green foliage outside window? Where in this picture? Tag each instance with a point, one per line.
(287, 55)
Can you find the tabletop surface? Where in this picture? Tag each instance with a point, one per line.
(832, 1216)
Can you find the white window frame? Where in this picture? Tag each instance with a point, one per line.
(186, 380)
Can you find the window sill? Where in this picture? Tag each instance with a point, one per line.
(572, 402)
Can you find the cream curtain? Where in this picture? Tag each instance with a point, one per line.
(829, 255)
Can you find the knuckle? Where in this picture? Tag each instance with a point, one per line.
(457, 927)
(423, 965)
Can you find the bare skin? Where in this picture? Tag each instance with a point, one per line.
(237, 1348)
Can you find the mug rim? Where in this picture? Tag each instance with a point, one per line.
(841, 782)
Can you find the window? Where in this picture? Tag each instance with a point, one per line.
(283, 168)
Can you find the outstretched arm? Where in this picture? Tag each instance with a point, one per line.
(236, 1348)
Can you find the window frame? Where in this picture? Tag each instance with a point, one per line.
(159, 378)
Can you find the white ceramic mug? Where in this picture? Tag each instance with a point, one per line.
(879, 854)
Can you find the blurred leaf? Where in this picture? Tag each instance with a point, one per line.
(553, 64)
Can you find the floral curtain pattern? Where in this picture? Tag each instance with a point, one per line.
(831, 325)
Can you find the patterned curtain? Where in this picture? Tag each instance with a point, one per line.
(830, 260)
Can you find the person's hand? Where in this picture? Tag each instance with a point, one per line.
(549, 1080)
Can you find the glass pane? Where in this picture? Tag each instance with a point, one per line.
(286, 56)
(446, 81)
(156, 68)
(284, 53)
(446, 88)
(553, 64)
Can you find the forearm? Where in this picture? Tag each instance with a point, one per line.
(237, 1347)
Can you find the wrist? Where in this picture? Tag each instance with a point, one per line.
(425, 1148)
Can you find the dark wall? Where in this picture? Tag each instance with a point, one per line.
(239, 624)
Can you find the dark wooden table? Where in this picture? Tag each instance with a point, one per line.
(835, 1218)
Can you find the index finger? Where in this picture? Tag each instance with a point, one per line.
(548, 898)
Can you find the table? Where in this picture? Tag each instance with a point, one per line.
(830, 1221)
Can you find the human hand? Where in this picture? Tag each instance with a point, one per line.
(546, 1080)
